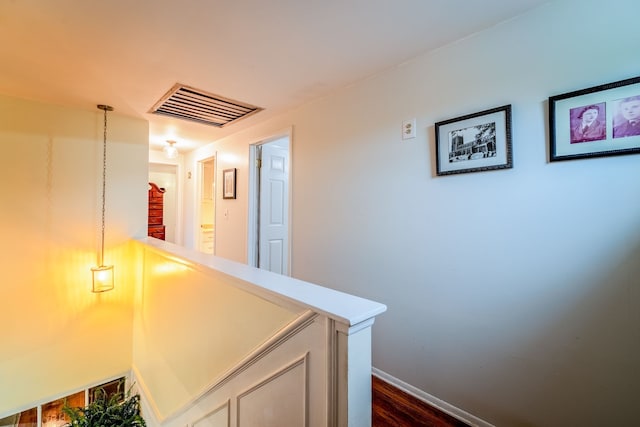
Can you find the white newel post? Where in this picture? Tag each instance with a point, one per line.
(353, 374)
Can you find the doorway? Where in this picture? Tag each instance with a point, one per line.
(165, 177)
(206, 206)
(269, 209)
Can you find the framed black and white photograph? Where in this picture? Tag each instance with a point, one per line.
(475, 142)
(229, 183)
(598, 121)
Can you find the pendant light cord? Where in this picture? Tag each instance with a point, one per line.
(104, 185)
(105, 108)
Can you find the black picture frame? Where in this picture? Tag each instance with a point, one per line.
(229, 183)
(614, 105)
(475, 142)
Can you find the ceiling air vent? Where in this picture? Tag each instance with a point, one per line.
(188, 103)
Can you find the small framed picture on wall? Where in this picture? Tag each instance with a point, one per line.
(229, 183)
(474, 143)
(598, 121)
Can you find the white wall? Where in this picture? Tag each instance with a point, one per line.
(231, 214)
(57, 335)
(513, 295)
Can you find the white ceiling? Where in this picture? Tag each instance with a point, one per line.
(276, 54)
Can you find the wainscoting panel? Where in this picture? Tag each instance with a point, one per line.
(280, 400)
(282, 384)
(217, 418)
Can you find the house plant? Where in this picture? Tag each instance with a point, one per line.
(115, 410)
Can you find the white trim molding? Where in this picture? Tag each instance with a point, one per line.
(440, 404)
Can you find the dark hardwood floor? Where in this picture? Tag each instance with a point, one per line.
(393, 407)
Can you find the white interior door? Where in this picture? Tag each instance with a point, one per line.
(273, 217)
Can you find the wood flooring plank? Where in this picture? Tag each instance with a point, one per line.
(392, 407)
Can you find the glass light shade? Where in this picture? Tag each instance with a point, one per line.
(170, 151)
(102, 278)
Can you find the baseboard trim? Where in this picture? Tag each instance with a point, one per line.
(445, 407)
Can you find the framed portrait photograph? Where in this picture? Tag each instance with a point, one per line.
(598, 121)
(229, 183)
(475, 142)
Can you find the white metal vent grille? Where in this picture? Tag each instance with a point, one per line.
(188, 103)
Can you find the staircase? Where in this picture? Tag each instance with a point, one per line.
(215, 342)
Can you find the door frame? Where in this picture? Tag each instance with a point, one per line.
(254, 198)
(159, 162)
(198, 197)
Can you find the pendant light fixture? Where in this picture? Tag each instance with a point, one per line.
(170, 151)
(103, 274)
